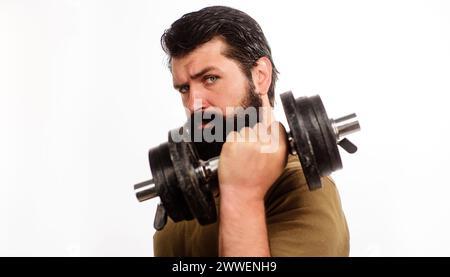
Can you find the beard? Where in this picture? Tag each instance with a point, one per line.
(252, 98)
(207, 148)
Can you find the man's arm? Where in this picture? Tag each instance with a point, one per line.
(242, 227)
(246, 172)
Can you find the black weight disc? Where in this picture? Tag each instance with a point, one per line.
(166, 183)
(329, 138)
(300, 134)
(312, 128)
(198, 196)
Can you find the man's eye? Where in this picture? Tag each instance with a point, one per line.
(184, 89)
(211, 79)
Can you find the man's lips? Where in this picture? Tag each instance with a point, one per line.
(204, 119)
(205, 124)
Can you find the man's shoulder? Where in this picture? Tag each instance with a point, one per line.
(303, 222)
(292, 185)
(291, 182)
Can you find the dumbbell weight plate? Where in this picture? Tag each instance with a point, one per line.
(198, 196)
(322, 140)
(314, 140)
(334, 161)
(302, 140)
(166, 183)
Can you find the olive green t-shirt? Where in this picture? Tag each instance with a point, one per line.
(299, 222)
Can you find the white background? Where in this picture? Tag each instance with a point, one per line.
(84, 93)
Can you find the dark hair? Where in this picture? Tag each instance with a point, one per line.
(243, 35)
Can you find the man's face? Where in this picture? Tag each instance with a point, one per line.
(206, 78)
(209, 81)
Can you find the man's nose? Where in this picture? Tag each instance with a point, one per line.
(197, 99)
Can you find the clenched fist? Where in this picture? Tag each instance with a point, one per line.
(251, 160)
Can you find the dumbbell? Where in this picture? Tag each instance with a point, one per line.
(186, 184)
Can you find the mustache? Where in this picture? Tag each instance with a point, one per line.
(208, 129)
(204, 123)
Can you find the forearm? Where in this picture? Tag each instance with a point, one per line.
(242, 227)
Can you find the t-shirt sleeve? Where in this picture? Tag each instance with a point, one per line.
(306, 223)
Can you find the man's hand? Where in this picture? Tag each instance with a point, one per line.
(250, 162)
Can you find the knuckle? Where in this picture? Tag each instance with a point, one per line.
(231, 137)
(244, 130)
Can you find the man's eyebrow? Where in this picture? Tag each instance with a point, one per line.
(197, 75)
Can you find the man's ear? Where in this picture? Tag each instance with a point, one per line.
(262, 75)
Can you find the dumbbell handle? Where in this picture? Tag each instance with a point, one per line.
(345, 125)
(207, 170)
(146, 190)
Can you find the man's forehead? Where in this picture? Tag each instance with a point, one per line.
(205, 55)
